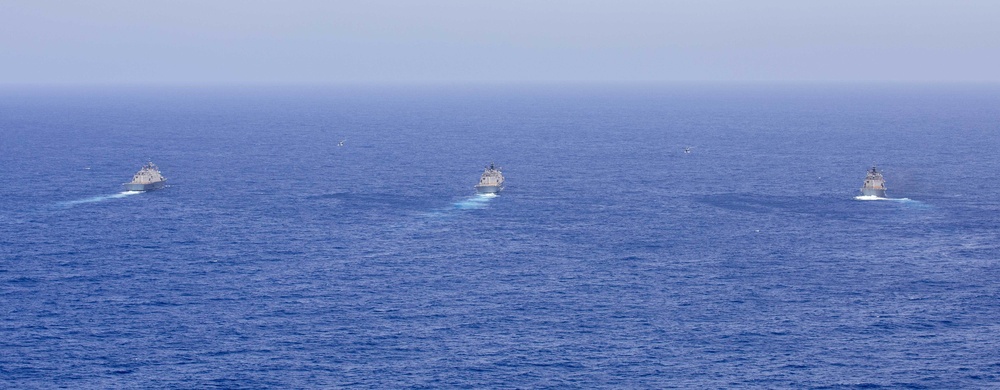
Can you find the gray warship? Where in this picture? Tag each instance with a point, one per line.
(874, 184)
(491, 182)
(147, 179)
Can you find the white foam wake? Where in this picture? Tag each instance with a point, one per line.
(101, 198)
(905, 202)
(476, 202)
(873, 197)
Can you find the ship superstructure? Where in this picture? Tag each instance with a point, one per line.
(491, 182)
(147, 179)
(874, 184)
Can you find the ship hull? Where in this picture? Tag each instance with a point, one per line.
(488, 189)
(873, 192)
(144, 187)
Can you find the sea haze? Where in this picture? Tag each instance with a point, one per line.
(275, 258)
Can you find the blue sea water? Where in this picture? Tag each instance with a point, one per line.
(276, 259)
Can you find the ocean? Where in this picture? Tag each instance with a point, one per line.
(275, 258)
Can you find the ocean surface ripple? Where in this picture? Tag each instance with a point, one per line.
(276, 259)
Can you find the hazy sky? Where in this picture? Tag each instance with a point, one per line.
(458, 41)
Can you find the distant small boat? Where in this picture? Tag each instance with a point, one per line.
(341, 143)
(874, 184)
(491, 182)
(147, 179)
(687, 149)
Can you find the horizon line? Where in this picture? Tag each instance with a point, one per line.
(485, 83)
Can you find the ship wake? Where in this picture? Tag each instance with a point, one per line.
(475, 202)
(907, 202)
(95, 199)
(873, 197)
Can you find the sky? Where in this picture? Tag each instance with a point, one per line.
(251, 42)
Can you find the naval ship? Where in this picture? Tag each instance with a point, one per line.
(874, 184)
(147, 179)
(491, 182)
